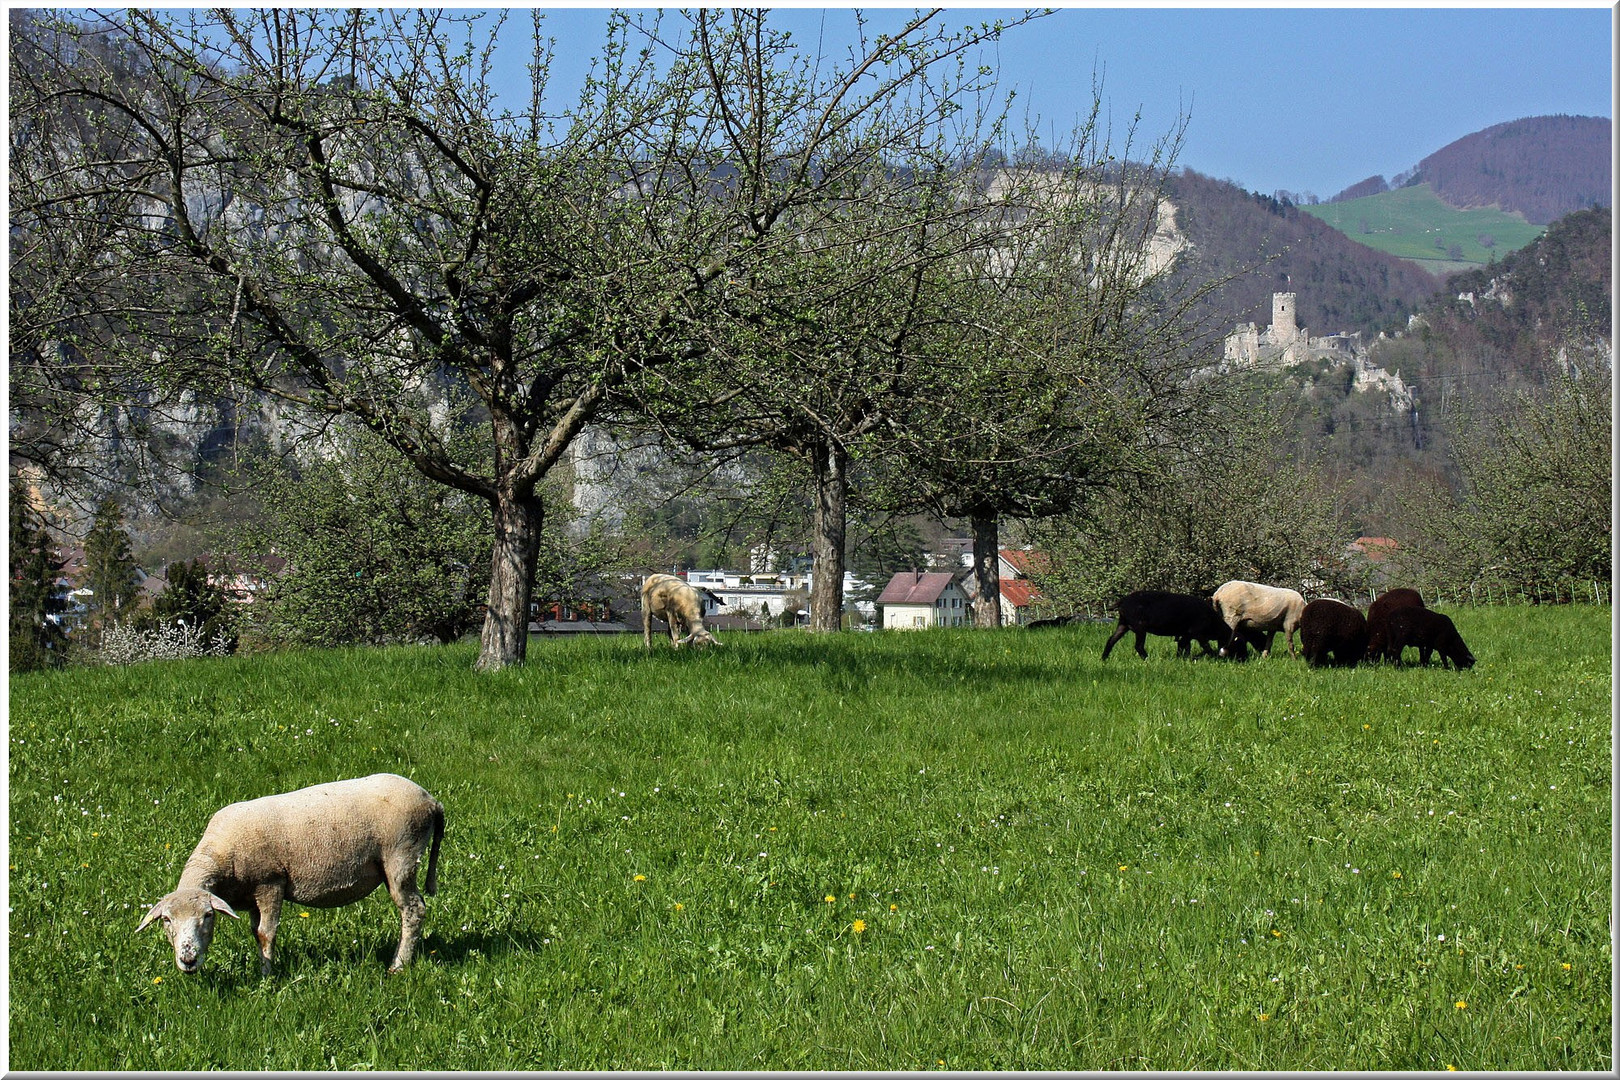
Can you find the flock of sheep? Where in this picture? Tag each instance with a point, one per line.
(333, 844)
(1245, 613)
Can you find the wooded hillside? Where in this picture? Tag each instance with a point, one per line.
(1343, 286)
(1543, 166)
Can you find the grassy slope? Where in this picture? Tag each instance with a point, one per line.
(1406, 222)
(1060, 863)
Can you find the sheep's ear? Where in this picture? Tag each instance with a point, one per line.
(220, 905)
(159, 909)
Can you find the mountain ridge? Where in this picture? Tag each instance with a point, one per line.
(1543, 167)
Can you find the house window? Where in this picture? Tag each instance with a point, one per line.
(919, 620)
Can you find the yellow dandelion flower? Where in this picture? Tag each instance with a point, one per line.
(1462, 1004)
(832, 899)
(859, 926)
(1264, 1017)
(773, 828)
(852, 896)
(1566, 967)
(1366, 727)
(1396, 873)
(1451, 1068)
(303, 914)
(1276, 933)
(680, 907)
(639, 877)
(157, 980)
(85, 865)
(1123, 867)
(894, 907)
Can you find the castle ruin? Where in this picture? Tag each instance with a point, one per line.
(1285, 343)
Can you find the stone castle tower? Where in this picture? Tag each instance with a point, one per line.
(1284, 330)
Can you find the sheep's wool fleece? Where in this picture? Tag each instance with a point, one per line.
(325, 839)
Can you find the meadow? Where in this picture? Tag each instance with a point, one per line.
(940, 850)
(1407, 222)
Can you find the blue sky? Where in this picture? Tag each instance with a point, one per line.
(1302, 99)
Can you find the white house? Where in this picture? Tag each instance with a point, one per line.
(915, 601)
(764, 593)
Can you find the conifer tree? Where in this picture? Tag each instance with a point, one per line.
(109, 568)
(37, 640)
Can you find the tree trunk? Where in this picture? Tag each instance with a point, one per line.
(987, 569)
(505, 640)
(831, 469)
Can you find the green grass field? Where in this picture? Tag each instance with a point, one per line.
(949, 849)
(1407, 222)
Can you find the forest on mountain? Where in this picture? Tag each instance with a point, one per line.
(1542, 166)
(1482, 341)
(1264, 245)
(1373, 185)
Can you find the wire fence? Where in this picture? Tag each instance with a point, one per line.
(1481, 593)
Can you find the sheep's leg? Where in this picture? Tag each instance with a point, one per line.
(1184, 647)
(266, 916)
(412, 909)
(646, 625)
(1119, 632)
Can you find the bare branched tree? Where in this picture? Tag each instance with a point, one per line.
(330, 209)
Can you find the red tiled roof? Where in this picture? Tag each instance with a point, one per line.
(1019, 593)
(1374, 548)
(910, 587)
(1026, 562)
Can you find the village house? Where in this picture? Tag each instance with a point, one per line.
(1020, 597)
(913, 601)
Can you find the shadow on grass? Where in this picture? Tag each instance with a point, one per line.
(366, 958)
(856, 659)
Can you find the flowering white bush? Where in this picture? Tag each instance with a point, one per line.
(122, 644)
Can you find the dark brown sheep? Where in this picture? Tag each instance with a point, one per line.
(1169, 614)
(1428, 632)
(1331, 631)
(1378, 620)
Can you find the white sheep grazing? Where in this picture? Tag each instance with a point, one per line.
(667, 597)
(321, 846)
(1260, 609)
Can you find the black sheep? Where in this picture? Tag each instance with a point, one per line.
(1378, 620)
(1331, 628)
(1427, 631)
(1168, 614)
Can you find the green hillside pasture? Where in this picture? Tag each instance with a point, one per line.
(1407, 222)
(947, 849)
